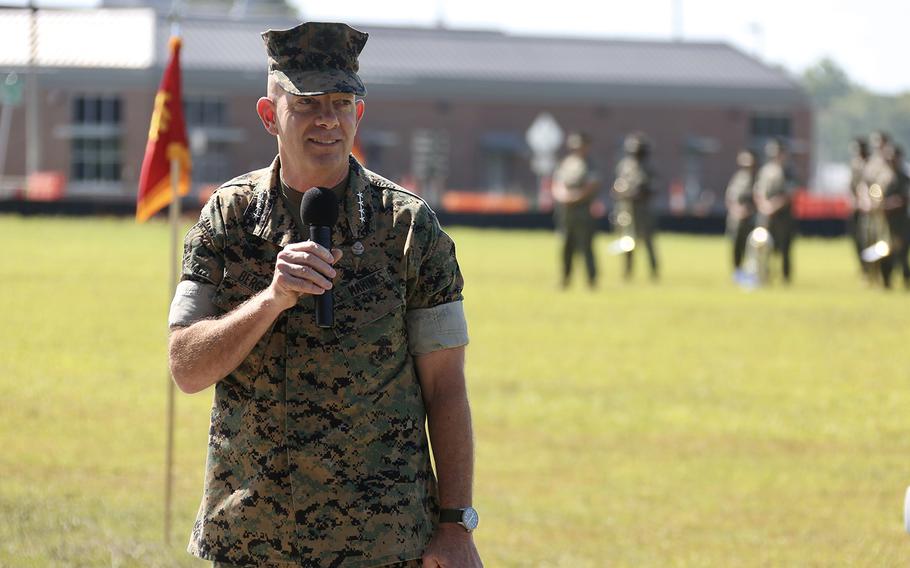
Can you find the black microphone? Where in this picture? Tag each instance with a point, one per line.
(319, 210)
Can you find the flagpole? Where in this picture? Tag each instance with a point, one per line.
(174, 221)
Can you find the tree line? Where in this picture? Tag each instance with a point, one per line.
(845, 110)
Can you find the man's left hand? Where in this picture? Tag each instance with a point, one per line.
(451, 547)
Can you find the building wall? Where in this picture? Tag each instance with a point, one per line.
(474, 130)
(258, 147)
(676, 132)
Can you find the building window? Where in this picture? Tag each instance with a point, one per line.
(210, 140)
(430, 162)
(375, 147)
(96, 144)
(204, 111)
(765, 126)
(503, 154)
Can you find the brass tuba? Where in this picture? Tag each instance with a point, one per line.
(876, 233)
(756, 270)
(624, 220)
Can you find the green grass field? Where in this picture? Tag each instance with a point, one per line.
(685, 423)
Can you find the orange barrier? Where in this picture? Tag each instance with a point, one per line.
(479, 202)
(807, 205)
(45, 186)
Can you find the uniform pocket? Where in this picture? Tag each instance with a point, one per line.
(242, 281)
(364, 301)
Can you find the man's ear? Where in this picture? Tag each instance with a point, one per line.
(360, 108)
(265, 108)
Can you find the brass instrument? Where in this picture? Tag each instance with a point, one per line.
(625, 221)
(876, 232)
(756, 269)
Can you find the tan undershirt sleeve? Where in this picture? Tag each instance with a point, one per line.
(436, 328)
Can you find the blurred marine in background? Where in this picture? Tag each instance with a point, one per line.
(632, 194)
(575, 186)
(882, 199)
(897, 194)
(887, 222)
(774, 186)
(740, 202)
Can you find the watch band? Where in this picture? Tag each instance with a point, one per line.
(450, 515)
(466, 517)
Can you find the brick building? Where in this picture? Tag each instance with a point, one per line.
(444, 106)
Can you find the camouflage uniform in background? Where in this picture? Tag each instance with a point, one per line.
(632, 194)
(774, 180)
(574, 222)
(318, 453)
(895, 194)
(741, 205)
(877, 177)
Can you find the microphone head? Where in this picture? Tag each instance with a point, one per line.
(319, 207)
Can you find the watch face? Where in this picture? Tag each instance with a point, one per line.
(469, 518)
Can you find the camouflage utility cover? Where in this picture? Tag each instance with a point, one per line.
(318, 454)
(316, 58)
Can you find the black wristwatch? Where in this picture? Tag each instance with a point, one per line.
(467, 517)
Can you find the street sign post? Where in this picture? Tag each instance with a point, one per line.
(545, 138)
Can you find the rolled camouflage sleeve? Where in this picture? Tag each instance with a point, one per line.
(435, 316)
(432, 329)
(202, 270)
(193, 301)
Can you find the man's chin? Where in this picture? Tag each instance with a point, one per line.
(325, 167)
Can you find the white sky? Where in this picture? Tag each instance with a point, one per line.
(868, 38)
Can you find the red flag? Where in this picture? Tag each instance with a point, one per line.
(167, 142)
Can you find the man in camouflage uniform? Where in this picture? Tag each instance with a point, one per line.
(878, 178)
(632, 194)
(318, 452)
(896, 195)
(886, 191)
(774, 197)
(741, 205)
(575, 185)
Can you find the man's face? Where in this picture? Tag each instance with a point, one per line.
(316, 133)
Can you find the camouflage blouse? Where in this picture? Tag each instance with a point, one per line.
(318, 454)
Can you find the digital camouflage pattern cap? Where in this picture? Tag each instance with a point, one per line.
(316, 58)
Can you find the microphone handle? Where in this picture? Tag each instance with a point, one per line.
(325, 303)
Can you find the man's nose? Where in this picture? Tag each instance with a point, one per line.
(327, 118)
